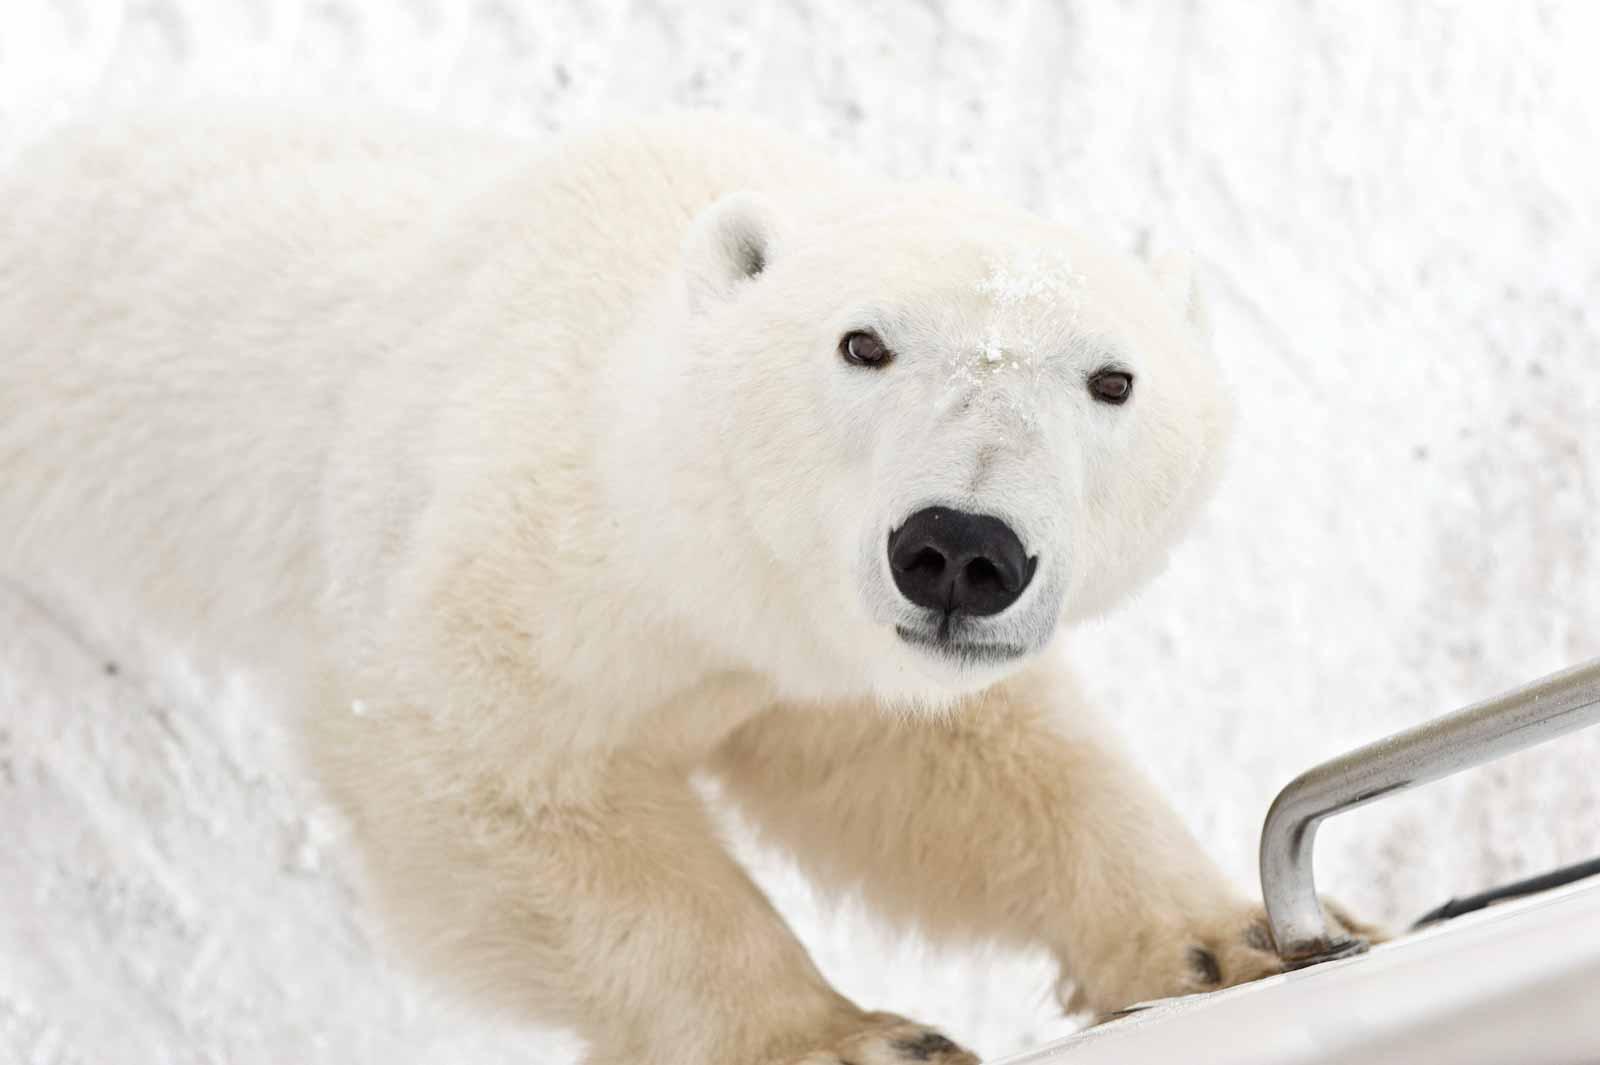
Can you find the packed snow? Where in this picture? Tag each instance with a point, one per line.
(1394, 205)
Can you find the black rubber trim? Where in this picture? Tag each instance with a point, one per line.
(1530, 886)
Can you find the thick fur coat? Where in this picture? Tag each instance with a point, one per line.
(538, 481)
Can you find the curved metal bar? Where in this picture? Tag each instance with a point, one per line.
(1560, 703)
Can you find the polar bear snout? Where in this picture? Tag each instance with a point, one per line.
(954, 562)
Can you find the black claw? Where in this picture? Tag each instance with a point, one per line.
(1204, 964)
(925, 1048)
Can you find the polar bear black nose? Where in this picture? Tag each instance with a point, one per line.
(955, 562)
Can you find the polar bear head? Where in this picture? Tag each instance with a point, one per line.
(949, 428)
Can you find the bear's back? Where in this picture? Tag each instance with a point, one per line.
(179, 293)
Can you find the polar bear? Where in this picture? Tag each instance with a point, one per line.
(542, 480)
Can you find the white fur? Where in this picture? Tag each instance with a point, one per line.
(535, 499)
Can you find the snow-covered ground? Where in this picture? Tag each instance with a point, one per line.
(1396, 202)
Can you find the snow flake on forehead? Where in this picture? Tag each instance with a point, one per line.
(1033, 301)
(1043, 279)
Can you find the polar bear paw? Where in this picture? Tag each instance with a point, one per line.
(1231, 948)
(891, 1040)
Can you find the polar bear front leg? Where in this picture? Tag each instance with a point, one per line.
(597, 898)
(1011, 818)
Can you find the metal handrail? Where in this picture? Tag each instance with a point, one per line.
(1558, 704)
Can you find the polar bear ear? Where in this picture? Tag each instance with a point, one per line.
(1176, 274)
(729, 243)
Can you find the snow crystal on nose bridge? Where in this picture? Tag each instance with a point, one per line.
(1031, 302)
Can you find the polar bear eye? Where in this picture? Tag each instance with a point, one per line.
(1111, 386)
(864, 349)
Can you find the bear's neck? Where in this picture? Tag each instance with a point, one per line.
(673, 525)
